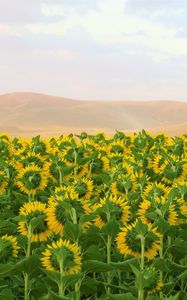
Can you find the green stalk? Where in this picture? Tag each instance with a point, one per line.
(119, 281)
(78, 283)
(61, 284)
(60, 176)
(161, 252)
(75, 163)
(95, 296)
(109, 244)
(28, 253)
(142, 263)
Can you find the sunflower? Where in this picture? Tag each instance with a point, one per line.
(32, 210)
(62, 255)
(40, 146)
(56, 212)
(32, 179)
(117, 147)
(10, 246)
(123, 184)
(3, 181)
(118, 208)
(150, 208)
(128, 241)
(155, 190)
(84, 187)
(33, 158)
(100, 163)
(18, 146)
(155, 283)
(158, 164)
(179, 206)
(175, 170)
(4, 137)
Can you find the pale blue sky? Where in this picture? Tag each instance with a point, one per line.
(95, 49)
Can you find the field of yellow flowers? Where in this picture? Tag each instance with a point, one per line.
(89, 217)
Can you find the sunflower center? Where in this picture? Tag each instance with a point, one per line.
(42, 226)
(60, 213)
(33, 179)
(67, 261)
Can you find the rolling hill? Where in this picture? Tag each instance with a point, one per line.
(29, 114)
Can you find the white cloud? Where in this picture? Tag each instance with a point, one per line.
(111, 24)
(52, 10)
(9, 30)
(61, 55)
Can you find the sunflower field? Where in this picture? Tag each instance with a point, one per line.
(90, 217)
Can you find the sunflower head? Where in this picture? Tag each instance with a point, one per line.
(3, 181)
(129, 242)
(8, 247)
(62, 256)
(116, 206)
(32, 179)
(84, 188)
(34, 211)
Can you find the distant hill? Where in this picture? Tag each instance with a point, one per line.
(30, 114)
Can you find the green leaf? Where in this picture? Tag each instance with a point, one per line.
(94, 252)
(7, 227)
(28, 264)
(162, 225)
(53, 296)
(89, 286)
(126, 296)
(151, 297)
(36, 221)
(135, 270)
(71, 279)
(21, 197)
(161, 264)
(54, 276)
(125, 266)
(72, 231)
(183, 276)
(6, 294)
(6, 270)
(97, 266)
(20, 219)
(141, 228)
(87, 218)
(111, 228)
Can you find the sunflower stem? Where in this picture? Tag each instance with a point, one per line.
(142, 263)
(78, 283)
(161, 252)
(75, 163)
(109, 243)
(60, 176)
(61, 284)
(28, 253)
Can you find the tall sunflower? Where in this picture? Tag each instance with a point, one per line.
(9, 246)
(150, 208)
(84, 187)
(31, 210)
(128, 241)
(32, 179)
(62, 255)
(56, 212)
(119, 209)
(3, 181)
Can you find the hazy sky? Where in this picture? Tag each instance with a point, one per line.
(95, 49)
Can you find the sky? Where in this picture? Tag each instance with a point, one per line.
(95, 49)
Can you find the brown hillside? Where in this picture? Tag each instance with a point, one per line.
(29, 114)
